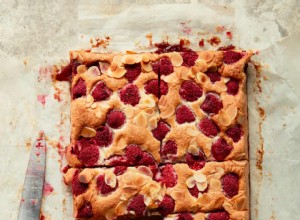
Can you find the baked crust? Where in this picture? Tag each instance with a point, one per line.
(140, 181)
(235, 215)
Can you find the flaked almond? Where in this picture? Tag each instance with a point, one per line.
(163, 101)
(167, 112)
(193, 149)
(214, 184)
(85, 176)
(201, 186)
(147, 200)
(81, 69)
(220, 86)
(201, 77)
(94, 71)
(145, 170)
(88, 132)
(220, 170)
(227, 99)
(176, 59)
(191, 131)
(146, 67)
(207, 56)
(88, 104)
(232, 111)
(184, 73)
(194, 70)
(121, 208)
(147, 102)
(171, 78)
(129, 111)
(177, 195)
(190, 182)
(104, 66)
(130, 59)
(89, 98)
(94, 105)
(228, 207)
(141, 120)
(224, 118)
(110, 179)
(152, 122)
(117, 73)
(155, 190)
(68, 177)
(98, 114)
(201, 64)
(226, 79)
(116, 62)
(145, 58)
(199, 177)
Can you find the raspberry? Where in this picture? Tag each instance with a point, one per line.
(184, 114)
(155, 67)
(220, 149)
(103, 136)
(103, 187)
(78, 187)
(231, 57)
(169, 148)
(79, 89)
(195, 162)
(163, 88)
(86, 211)
(130, 95)
(115, 119)
(220, 215)
(119, 170)
(165, 67)
(185, 216)
(151, 87)
(166, 206)
(89, 155)
(135, 156)
(154, 169)
(84, 142)
(137, 205)
(65, 74)
(132, 71)
(167, 176)
(190, 91)
(230, 183)
(211, 104)
(101, 92)
(235, 133)
(214, 77)
(161, 130)
(194, 191)
(189, 58)
(232, 86)
(208, 127)
(118, 161)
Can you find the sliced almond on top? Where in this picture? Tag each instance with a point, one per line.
(121, 208)
(85, 176)
(176, 59)
(201, 64)
(221, 86)
(215, 184)
(152, 122)
(184, 73)
(110, 179)
(193, 149)
(224, 118)
(141, 120)
(195, 69)
(201, 77)
(145, 170)
(116, 62)
(129, 111)
(146, 67)
(117, 73)
(147, 102)
(145, 58)
(89, 98)
(207, 56)
(94, 71)
(232, 111)
(201, 186)
(104, 66)
(199, 176)
(191, 131)
(81, 69)
(88, 132)
(147, 200)
(190, 182)
(129, 59)
(167, 112)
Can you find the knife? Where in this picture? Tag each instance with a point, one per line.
(31, 200)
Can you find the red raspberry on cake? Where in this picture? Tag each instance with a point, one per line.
(208, 127)
(115, 119)
(161, 130)
(220, 149)
(137, 205)
(130, 95)
(168, 149)
(184, 115)
(190, 91)
(103, 187)
(230, 183)
(101, 92)
(212, 104)
(167, 176)
(221, 215)
(79, 89)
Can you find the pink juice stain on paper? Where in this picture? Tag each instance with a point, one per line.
(48, 189)
(185, 28)
(44, 73)
(42, 99)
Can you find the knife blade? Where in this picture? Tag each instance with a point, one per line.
(31, 201)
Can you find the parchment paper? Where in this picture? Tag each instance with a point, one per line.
(29, 46)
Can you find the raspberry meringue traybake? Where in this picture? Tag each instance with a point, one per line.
(159, 135)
